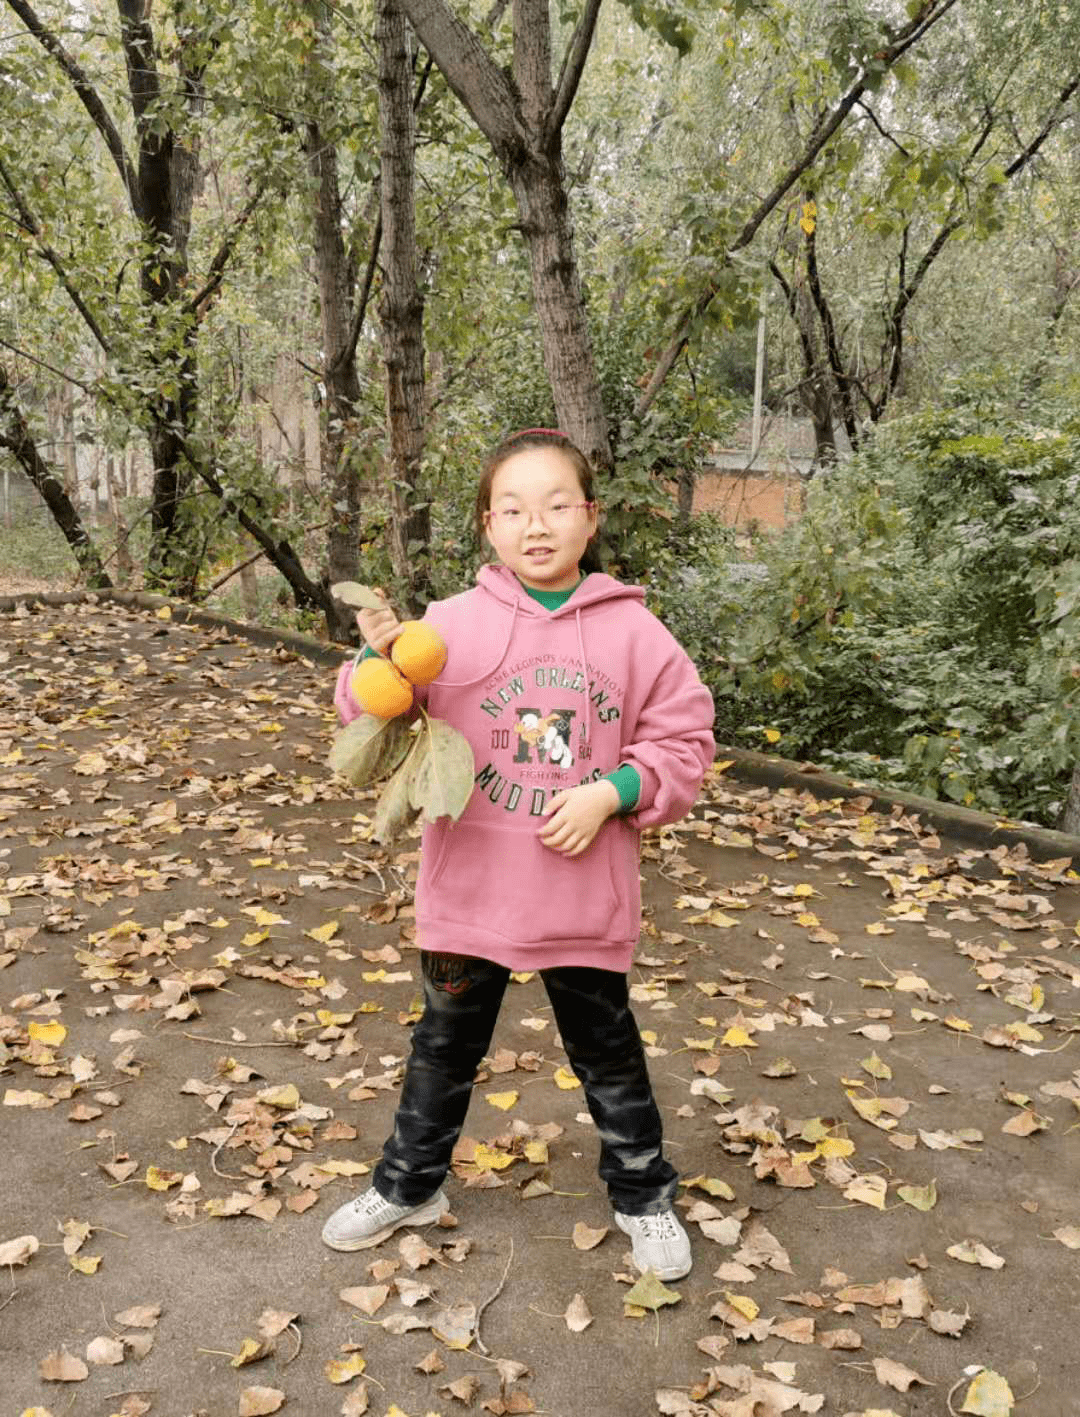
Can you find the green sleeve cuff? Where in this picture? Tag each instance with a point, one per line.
(627, 783)
(369, 653)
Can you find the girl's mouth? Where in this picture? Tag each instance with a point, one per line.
(538, 552)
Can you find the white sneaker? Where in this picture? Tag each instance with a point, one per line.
(370, 1219)
(658, 1242)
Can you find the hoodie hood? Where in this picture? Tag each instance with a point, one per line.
(502, 585)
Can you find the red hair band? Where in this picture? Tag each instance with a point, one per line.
(524, 433)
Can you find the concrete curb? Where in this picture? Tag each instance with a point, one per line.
(961, 823)
(319, 651)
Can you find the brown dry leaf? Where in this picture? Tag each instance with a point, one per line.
(259, 1401)
(105, 1350)
(356, 1404)
(795, 1330)
(141, 1316)
(839, 1338)
(1025, 1123)
(63, 1367)
(462, 1389)
(714, 1344)
(431, 1363)
(889, 1373)
(1069, 1235)
(369, 1298)
(975, 1252)
(577, 1315)
(76, 1233)
(586, 1238)
(273, 1322)
(19, 1250)
(949, 1324)
(415, 1252)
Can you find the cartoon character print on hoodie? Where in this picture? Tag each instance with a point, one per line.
(549, 700)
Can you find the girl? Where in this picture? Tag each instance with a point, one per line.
(588, 722)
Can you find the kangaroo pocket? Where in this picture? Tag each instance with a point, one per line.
(508, 882)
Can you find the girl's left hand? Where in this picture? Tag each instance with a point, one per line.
(576, 815)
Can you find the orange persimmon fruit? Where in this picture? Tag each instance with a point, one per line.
(419, 652)
(380, 689)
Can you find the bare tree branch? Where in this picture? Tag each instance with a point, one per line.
(928, 14)
(883, 131)
(573, 66)
(88, 95)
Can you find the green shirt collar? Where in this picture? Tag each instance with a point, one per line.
(549, 599)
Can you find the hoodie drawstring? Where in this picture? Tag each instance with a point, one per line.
(584, 675)
(476, 678)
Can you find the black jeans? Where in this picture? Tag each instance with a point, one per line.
(462, 998)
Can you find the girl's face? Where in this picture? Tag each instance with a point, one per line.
(538, 521)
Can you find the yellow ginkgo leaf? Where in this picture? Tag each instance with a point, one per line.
(565, 1079)
(329, 1019)
(503, 1100)
(263, 917)
(286, 1097)
(323, 933)
(835, 1146)
(85, 1264)
(742, 1304)
(737, 1037)
(51, 1034)
(254, 937)
(490, 1158)
(773, 735)
(343, 1370)
(988, 1395)
(536, 1152)
(958, 1025)
(159, 1180)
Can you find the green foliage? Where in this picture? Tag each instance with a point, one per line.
(921, 624)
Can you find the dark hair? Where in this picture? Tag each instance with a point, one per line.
(537, 438)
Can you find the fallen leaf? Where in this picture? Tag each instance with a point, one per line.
(141, 1316)
(105, 1350)
(988, 1395)
(975, 1252)
(921, 1197)
(889, 1373)
(258, 1401)
(587, 1239)
(343, 1370)
(369, 1299)
(19, 1250)
(650, 1293)
(577, 1315)
(1069, 1235)
(63, 1367)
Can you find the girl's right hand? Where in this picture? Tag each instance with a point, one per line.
(380, 628)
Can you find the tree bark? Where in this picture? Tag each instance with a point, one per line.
(15, 435)
(523, 121)
(401, 310)
(1070, 817)
(337, 293)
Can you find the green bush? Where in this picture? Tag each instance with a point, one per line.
(921, 625)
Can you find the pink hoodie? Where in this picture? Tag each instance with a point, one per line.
(548, 700)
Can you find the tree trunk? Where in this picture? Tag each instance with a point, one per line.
(337, 286)
(1070, 817)
(539, 186)
(162, 198)
(523, 119)
(401, 310)
(15, 435)
(114, 476)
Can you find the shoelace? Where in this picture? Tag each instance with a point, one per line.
(659, 1227)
